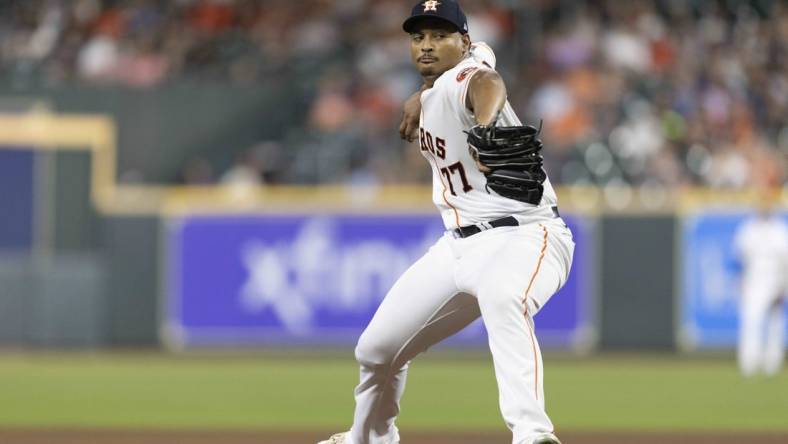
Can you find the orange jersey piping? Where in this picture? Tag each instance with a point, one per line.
(525, 302)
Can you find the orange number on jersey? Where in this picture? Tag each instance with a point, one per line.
(457, 167)
(449, 171)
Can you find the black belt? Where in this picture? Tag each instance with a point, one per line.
(508, 221)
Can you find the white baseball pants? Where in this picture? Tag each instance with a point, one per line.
(504, 274)
(761, 330)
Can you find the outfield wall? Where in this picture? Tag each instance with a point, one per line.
(635, 287)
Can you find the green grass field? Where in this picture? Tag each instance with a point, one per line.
(303, 393)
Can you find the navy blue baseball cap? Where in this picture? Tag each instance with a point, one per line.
(446, 10)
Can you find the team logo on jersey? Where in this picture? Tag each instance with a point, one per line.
(464, 73)
(431, 5)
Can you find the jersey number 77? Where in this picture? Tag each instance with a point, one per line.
(438, 148)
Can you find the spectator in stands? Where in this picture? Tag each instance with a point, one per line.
(668, 93)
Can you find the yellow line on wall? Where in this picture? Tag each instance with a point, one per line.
(93, 133)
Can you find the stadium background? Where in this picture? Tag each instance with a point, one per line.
(203, 201)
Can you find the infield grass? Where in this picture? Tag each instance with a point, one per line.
(259, 392)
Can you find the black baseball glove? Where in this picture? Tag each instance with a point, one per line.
(512, 159)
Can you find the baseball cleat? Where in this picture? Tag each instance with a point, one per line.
(547, 438)
(339, 438)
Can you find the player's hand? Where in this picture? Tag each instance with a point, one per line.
(475, 154)
(409, 128)
(483, 132)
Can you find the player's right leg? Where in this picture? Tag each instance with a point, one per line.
(752, 315)
(422, 308)
(774, 350)
(515, 272)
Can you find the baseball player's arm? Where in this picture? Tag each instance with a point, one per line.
(409, 127)
(486, 96)
(736, 261)
(411, 113)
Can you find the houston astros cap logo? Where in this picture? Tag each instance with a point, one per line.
(445, 10)
(431, 5)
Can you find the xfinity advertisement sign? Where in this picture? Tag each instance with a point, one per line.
(310, 279)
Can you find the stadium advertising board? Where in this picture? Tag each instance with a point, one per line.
(317, 279)
(711, 281)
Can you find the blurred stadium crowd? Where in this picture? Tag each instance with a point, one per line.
(666, 93)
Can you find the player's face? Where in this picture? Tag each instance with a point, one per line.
(436, 47)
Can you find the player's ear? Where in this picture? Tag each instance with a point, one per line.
(466, 41)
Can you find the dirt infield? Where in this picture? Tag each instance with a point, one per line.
(51, 436)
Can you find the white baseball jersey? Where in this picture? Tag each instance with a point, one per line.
(459, 188)
(762, 245)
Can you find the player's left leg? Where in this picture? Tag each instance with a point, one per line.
(774, 350)
(753, 309)
(748, 351)
(423, 307)
(513, 273)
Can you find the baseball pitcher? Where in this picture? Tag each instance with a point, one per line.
(505, 252)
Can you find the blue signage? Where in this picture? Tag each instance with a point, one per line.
(711, 281)
(16, 199)
(317, 279)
